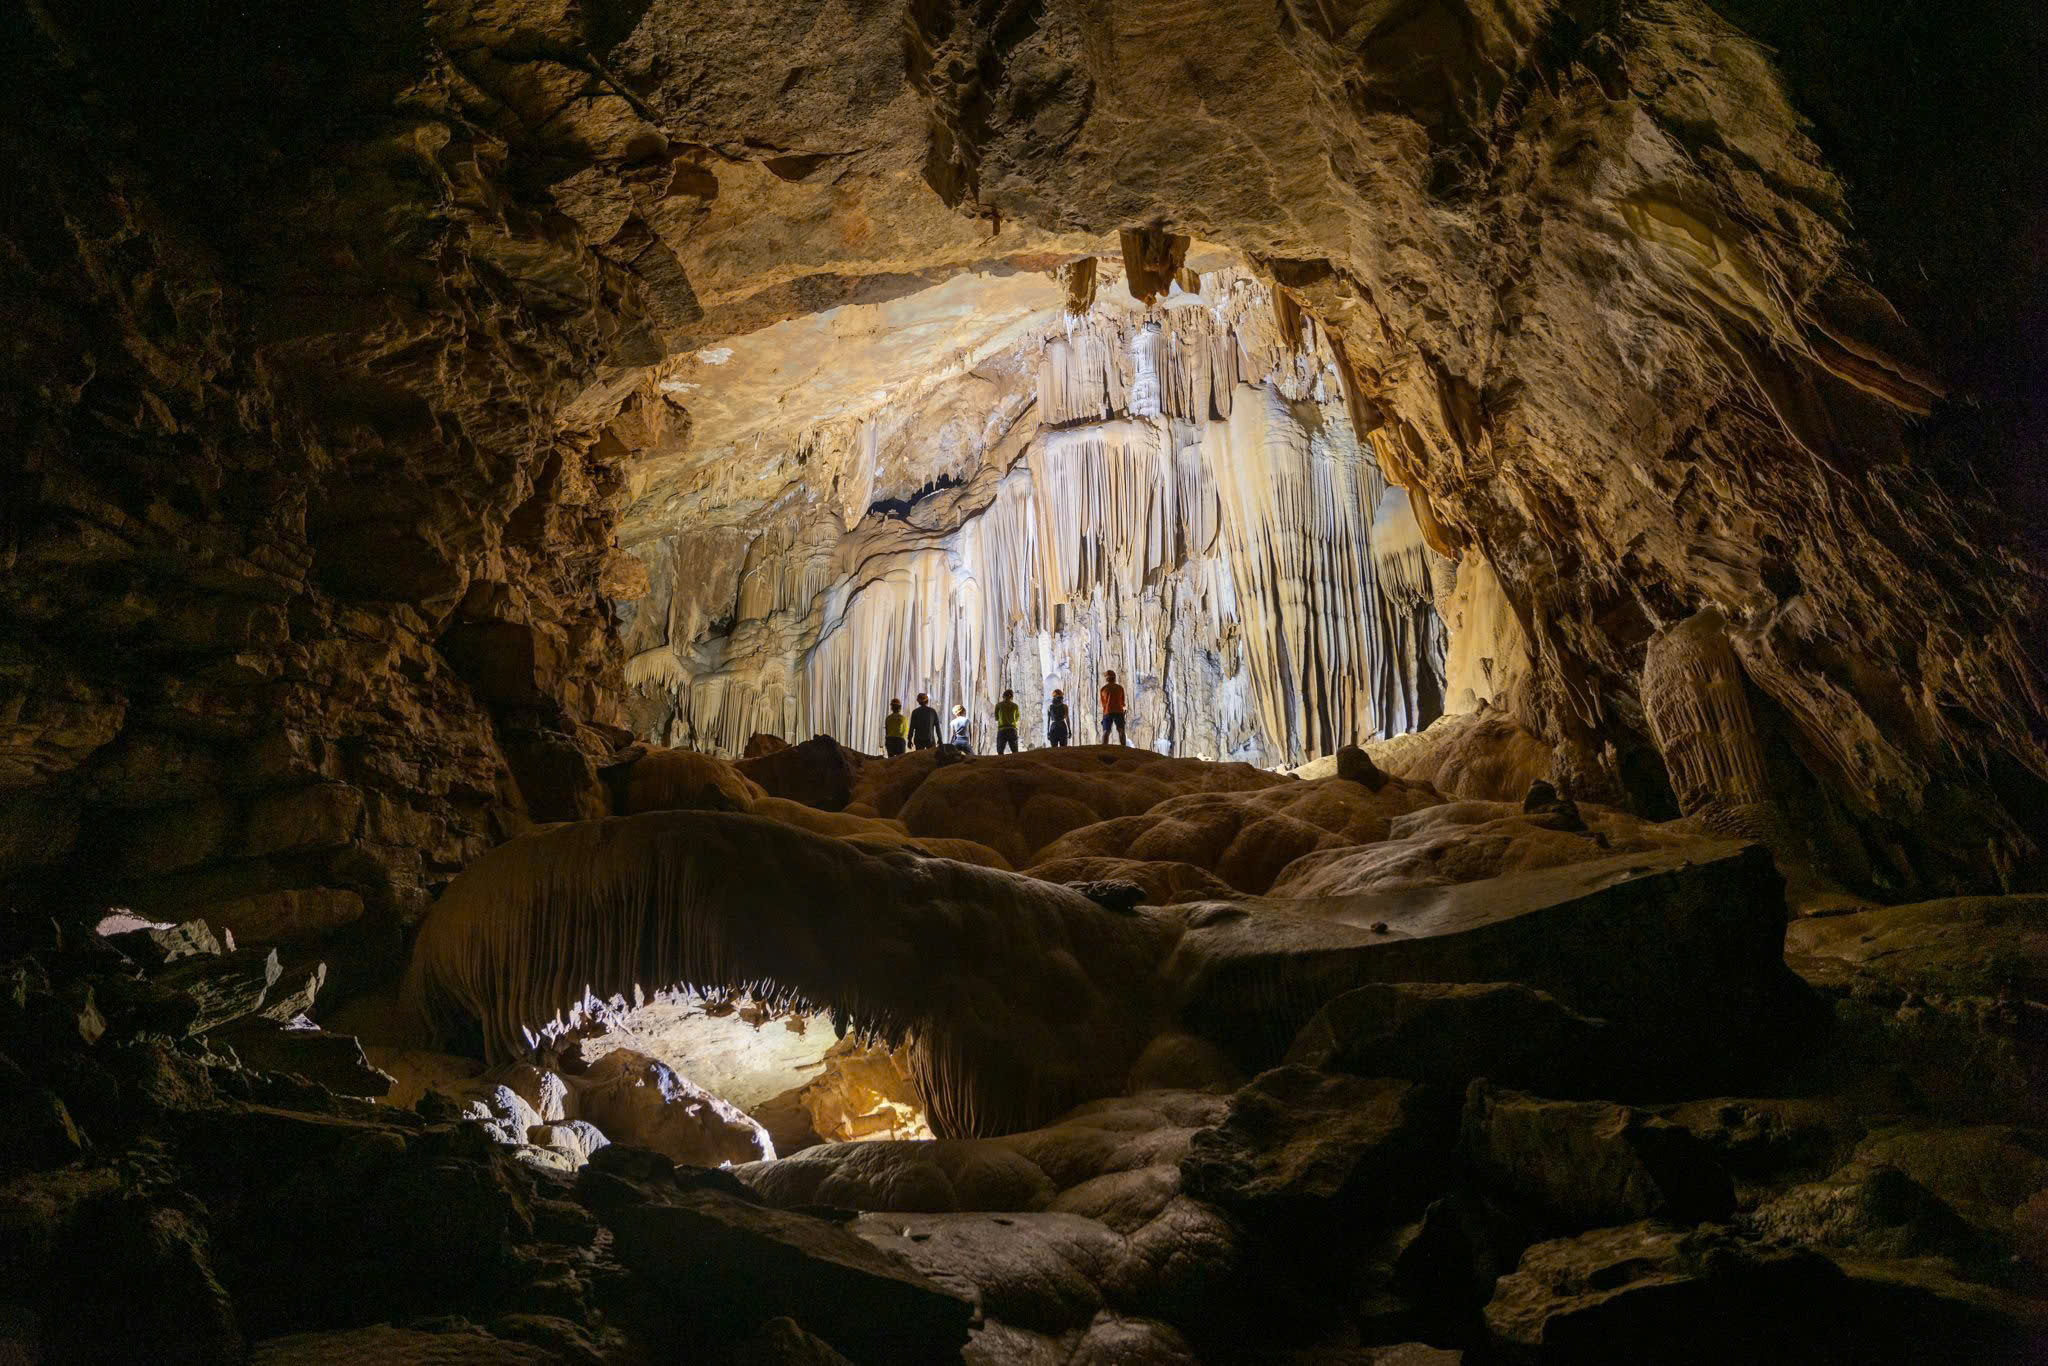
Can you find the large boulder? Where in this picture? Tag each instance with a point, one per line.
(1309, 1151)
(1450, 1033)
(1468, 841)
(638, 1100)
(820, 772)
(927, 1177)
(1680, 950)
(1708, 1297)
(727, 1266)
(1587, 1163)
(684, 780)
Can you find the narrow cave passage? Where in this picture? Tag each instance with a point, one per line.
(1556, 487)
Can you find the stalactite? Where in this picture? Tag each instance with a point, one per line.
(949, 955)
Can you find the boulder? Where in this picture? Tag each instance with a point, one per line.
(783, 1342)
(1866, 1208)
(1771, 1139)
(1303, 1151)
(1040, 1272)
(1354, 765)
(1708, 1297)
(573, 1138)
(1681, 948)
(1450, 1033)
(820, 772)
(727, 1267)
(642, 1101)
(390, 1345)
(335, 1061)
(915, 1177)
(1588, 1163)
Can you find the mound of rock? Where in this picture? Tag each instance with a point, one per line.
(1467, 841)
(1019, 804)
(1247, 838)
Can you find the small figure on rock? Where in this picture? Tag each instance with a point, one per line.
(924, 724)
(1056, 720)
(1006, 722)
(960, 733)
(1113, 708)
(895, 726)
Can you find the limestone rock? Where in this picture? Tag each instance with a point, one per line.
(1449, 1034)
(1590, 1162)
(638, 1100)
(908, 1177)
(1354, 765)
(1658, 941)
(1647, 1291)
(728, 1263)
(1308, 1149)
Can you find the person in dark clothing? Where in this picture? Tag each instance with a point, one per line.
(1006, 722)
(894, 726)
(1056, 720)
(1113, 708)
(924, 724)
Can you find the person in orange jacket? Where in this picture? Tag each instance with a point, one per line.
(1113, 708)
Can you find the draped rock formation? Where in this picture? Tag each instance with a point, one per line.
(1176, 493)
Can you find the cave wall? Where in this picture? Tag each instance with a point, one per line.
(299, 611)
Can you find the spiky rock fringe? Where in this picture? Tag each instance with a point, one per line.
(1021, 998)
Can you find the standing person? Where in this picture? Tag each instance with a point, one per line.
(924, 724)
(1056, 720)
(1006, 722)
(894, 726)
(960, 738)
(1113, 708)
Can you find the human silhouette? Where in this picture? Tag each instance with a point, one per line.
(1006, 722)
(894, 727)
(924, 724)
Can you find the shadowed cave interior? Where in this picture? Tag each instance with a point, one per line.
(1558, 485)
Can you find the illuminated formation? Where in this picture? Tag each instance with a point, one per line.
(1175, 493)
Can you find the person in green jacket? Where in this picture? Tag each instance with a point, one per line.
(895, 728)
(1006, 722)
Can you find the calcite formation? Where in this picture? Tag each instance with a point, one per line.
(1176, 493)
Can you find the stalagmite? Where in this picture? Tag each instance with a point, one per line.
(1693, 696)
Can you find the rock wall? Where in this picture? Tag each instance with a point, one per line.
(1172, 492)
(299, 611)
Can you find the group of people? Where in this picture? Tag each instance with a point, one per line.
(921, 730)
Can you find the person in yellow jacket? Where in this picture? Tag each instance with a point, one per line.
(1006, 722)
(895, 728)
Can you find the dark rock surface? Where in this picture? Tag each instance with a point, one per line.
(1451, 1033)
(1589, 1163)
